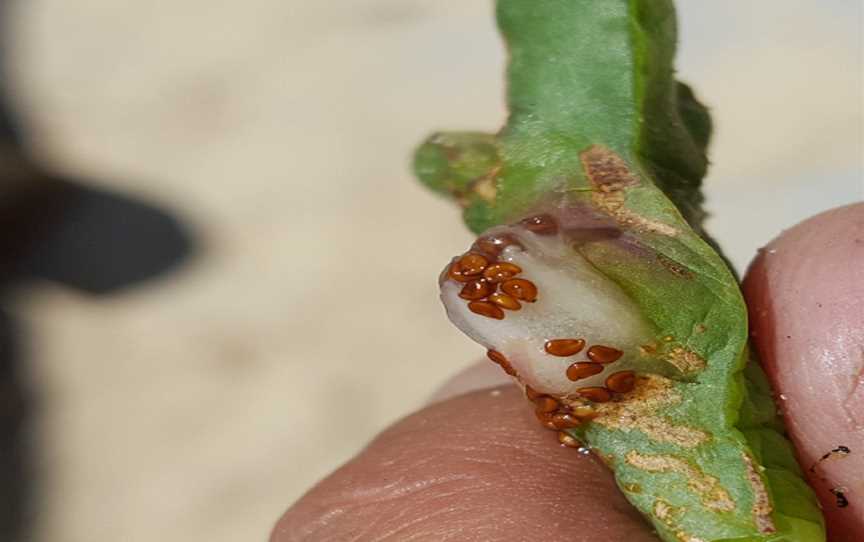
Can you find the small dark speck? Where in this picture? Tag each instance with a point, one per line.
(840, 450)
(788, 336)
(842, 501)
(819, 305)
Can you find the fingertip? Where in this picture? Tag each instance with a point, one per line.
(805, 296)
(475, 467)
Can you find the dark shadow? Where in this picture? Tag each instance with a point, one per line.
(100, 242)
(61, 230)
(16, 405)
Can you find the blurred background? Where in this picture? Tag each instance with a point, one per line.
(203, 308)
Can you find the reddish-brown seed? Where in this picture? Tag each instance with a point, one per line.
(476, 289)
(473, 264)
(541, 224)
(505, 301)
(484, 308)
(595, 393)
(621, 382)
(501, 271)
(565, 421)
(566, 439)
(604, 354)
(531, 393)
(564, 347)
(545, 419)
(493, 245)
(499, 358)
(546, 404)
(521, 289)
(496, 356)
(583, 369)
(508, 368)
(455, 273)
(583, 412)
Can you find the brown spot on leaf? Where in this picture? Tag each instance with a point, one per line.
(762, 508)
(607, 171)
(611, 177)
(685, 360)
(664, 511)
(674, 267)
(486, 187)
(670, 516)
(707, 487)
(638, 411)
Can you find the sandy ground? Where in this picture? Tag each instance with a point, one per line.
(199, 406)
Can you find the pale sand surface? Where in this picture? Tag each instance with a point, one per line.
(199, 406)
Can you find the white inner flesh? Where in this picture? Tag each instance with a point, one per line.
(574, 301)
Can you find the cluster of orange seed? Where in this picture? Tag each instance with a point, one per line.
(491, 287)
(483, 275)
(598, 356)
(559, 417)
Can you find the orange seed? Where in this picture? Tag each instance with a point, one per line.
(521, 289)
(595, 393)
(566, 439)
(541, 224)
(501, 271)
(564, 347)
(455, 273)
(499, 358)
(546, 404)
(565, 421)
(604, 354)
(621, 382)
(508, 368)
(583, 369)
(473, 264)
(484, 308)
(496, 356)
(505, 301)
(545, 420)
(493, 244)
(583, 412)
(476, 289)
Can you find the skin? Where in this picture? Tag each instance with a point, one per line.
(477, 466)
(814, 354)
